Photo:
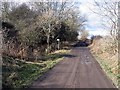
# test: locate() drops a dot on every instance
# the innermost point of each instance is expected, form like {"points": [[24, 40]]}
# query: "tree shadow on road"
{"points": [[55, 56]]}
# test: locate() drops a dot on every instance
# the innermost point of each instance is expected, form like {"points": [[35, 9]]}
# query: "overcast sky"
{"points": [[94, 24]]}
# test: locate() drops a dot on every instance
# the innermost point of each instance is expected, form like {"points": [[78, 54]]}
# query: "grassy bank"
{"points": [[108, 70], [20, 73], [105, 50]]}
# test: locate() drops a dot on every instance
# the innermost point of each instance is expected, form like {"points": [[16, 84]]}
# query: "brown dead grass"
{"points": [[107, 50]]}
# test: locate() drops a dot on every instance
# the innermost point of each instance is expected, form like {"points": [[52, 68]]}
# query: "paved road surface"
{"points": [[80, 70]]}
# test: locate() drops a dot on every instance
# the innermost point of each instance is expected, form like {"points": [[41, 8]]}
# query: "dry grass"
{"points": [[106, 51]]}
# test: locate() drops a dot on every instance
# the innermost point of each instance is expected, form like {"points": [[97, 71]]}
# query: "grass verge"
{"points": [[108, 70], [20, 74]]}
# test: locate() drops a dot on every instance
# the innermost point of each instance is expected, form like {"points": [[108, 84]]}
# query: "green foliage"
{"points": [[21, 12], [21, 74], [29, 37], [9, 32], [41, 26], [18, 73], [38, 27]]}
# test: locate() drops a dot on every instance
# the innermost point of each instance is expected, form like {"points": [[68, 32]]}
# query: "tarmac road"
{"points": [[81, 70]]}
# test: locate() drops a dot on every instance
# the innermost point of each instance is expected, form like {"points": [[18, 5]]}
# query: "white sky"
{"points": [[94, 21]]}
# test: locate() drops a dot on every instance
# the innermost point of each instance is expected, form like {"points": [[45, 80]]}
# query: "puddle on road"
{"points": [[86, 62]]}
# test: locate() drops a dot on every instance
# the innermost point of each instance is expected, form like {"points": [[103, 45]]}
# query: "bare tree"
{"points": [[84, 34], [109, 13], [59, 11]]}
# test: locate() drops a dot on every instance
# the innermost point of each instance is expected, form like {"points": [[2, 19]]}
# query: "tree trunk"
{"points": [[48, 40]]}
